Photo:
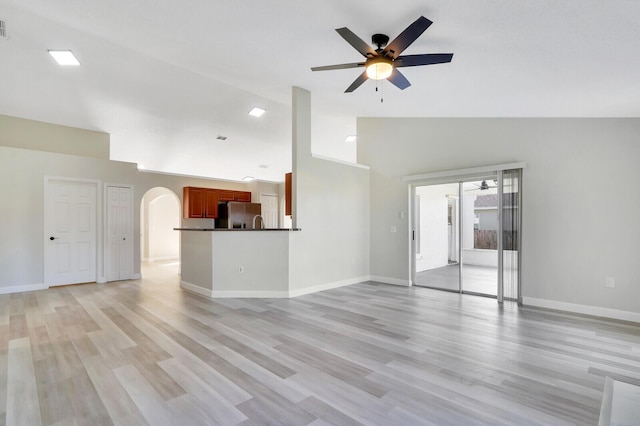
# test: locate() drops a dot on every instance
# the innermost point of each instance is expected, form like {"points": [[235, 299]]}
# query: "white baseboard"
{"points": [[21, 288], [195, 288], [101, 280], [250, 294], [268, 294], [327, 286], [136, 276], [582, 309], [387, 280]]}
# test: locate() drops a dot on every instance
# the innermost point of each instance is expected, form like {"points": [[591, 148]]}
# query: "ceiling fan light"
{"points": [[379, 68]]}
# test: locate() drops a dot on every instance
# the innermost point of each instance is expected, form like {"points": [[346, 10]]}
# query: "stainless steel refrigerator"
{"points": [[236, 215]]}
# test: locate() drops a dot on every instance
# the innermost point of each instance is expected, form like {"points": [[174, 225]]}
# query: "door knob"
{"points": [[52, 238]]}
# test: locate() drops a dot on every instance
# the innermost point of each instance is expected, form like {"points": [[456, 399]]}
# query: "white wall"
{"points": [[331, 205], [197, 265], [263, 257], [580, 203], [259, 187], [22, 209], [39, 136], [480, 257], [164, 215], [333, 209], [160, 212]]}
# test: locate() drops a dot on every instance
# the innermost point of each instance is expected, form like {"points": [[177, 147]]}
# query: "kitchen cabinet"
{"points": [[210, 204], [229, 195], [243, 196], [224, 195], [287, 194], [203, 202], [192, 202], [199, 202]]}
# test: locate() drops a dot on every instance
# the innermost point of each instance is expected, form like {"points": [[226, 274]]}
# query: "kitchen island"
{"points": [[221, 262]]}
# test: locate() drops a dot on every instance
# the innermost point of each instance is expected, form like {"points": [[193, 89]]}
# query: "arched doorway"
{"points": [[159, 214]]}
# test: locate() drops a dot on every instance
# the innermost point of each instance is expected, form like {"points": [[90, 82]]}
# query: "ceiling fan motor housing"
{"points": [[380, 40]]}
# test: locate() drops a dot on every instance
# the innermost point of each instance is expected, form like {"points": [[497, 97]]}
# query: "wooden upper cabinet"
{"points": [[203, 202], [199, 202], [243, 196], [192, 202], [211, 204], [287, 193], [229, 195], [225, 195]]}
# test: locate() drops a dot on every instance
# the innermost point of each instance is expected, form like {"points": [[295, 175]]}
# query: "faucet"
{"points": [[261, 221]]}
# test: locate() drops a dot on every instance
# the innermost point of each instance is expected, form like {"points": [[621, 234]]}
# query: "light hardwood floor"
{"points": [[146, 352]]}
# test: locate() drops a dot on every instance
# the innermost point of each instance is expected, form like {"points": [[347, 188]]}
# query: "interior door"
{"points": [[70, 232], [119, 265], [269, 210]]}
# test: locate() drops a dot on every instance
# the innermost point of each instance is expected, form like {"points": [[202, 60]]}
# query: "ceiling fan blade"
{"points": [[399, 80], [408, 36], [338, 67], [357, 43], [357, 83], [426, 59]]}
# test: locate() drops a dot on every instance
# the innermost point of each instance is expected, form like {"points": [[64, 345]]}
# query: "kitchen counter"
{"points": [[236, 229], [236, 263]]}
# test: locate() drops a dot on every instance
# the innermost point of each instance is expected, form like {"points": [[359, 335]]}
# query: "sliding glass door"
{"points": [[436, 234], [466, 235], [479, 231]]}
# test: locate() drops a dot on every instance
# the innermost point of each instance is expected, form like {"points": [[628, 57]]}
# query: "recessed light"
{"points": [[257, 112], [264, 166], [351, 138], [64, 57], [221, 138], [248, 178]]}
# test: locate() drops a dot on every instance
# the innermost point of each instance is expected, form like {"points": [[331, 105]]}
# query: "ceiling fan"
{"points": [[383, 62], [483, 186]]}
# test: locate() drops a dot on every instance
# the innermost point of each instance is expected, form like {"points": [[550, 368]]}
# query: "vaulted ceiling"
{"points": [[166, 77]]}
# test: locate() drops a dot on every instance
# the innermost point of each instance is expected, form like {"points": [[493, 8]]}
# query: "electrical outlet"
{"points": [[241, 269], [610, 282], [393, 229]]}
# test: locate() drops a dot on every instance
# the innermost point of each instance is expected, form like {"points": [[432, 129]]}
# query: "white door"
{"points": [[119, 259], [269, 210], [70, 232]]}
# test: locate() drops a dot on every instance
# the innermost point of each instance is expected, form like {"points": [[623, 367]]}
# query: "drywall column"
{"points": [[301, 144], [331, 207]]}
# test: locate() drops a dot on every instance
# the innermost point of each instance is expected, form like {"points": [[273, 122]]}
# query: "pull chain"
{"points": [[381, 90]]}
